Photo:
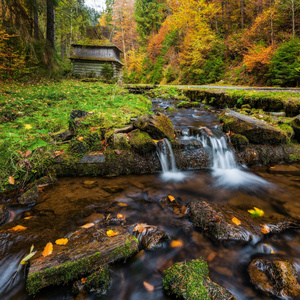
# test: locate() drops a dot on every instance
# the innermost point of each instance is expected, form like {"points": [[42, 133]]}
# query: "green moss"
{"points": [[187, 279], [126, 250], [141, 142], [98, 282], [239, 141]]}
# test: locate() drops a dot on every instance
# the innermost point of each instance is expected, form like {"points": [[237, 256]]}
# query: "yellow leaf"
{"points": [[11, 180], [17, 228], [28, 218], [122, 204], [88, 225], [272, 251], [176, 244], [171, 198], [265, 229], [28, 126], [61, 241], [236, 221], [149, 287], [111, 233], [155, 141], [48, 249], [256, 212]]}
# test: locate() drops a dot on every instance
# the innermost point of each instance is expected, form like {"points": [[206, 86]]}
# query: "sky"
{"points": [[97, 4]]}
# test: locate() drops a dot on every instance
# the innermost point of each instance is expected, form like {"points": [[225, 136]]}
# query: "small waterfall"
{"points": [[167, 161]]}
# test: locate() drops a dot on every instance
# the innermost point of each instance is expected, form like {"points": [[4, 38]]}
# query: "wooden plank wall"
{"points": [[87, 68]]}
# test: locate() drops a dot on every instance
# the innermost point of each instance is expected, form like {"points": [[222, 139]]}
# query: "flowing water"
{"points": [[68, 204]]}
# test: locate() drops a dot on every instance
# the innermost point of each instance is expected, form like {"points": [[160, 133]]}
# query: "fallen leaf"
{"points": [[236, 221], [140, 227], [27, 153], [122, 204], [155, 141], [171, 198], [117, 152], [28, 126], [17, 228], [211, 256], [120, 216], [11, 180], [176, 244], [256, 212], [28, 218], [27, 257], [61, 241], [111, 233], [149, 287], [83, 280], [48, 249], [88, 225], [272, 251], [80, 138], [265, 229]]}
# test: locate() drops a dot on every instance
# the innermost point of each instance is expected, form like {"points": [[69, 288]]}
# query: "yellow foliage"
{"points": [[111, 233], [61, 241], [17, 228], [48, 249]]}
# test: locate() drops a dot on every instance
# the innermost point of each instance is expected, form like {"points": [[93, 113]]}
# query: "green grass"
{"points": [[30, 115]]}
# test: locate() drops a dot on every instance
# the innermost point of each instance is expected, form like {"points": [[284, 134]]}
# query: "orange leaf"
{"points": [[61, 241], [80, 138], [149, 287], [27, 153], [88, 225], [236, 221], [111, 233], [11, 180], [83, 280], [17, 228], [120, 216], [48, 249], [265, 229], [171, 198], [28, 218], [140, 227], [176, 244], [211, 256], [122, 204]]}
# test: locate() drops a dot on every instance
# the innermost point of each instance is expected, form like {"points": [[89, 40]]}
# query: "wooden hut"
{"points": [[90, 56]]}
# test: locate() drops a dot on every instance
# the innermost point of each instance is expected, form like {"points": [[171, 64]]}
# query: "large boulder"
{"points": [[296, 127], [275, 276], [141, 142], [158, 126], [256, 131], [190, 280], [224, 223]]}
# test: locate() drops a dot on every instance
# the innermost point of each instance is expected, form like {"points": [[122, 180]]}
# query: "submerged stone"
{"points": [[256, 131], [275, 276], [190, 280], [217, 222], [30, 196], [285, 169], [158, 126], [89, 184]]}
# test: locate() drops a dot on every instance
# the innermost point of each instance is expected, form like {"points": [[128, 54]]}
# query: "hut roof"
{"points": [[96, 43]]}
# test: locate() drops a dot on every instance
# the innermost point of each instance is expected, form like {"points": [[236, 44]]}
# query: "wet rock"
{"points": [[158, 126], [239, 141], [216, 221], [275, 276], [113, 189], [141, 142], [190, 280], [257, 131], [97, 283], [149, 236], [86, 252], [188, 144], [93, 158], [44, 181], [119, 141], [4, 213], [76, 118], [285, 169], [64, 136], [30, 196], [89, 184], [296, 127]]}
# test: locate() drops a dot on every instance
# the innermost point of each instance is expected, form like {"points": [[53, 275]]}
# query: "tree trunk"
{"points": [[36, 20], [242, 3], [293, 16], [51, 23]]}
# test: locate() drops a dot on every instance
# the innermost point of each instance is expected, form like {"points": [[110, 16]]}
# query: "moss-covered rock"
{"points": [[190, 280], [257, 131], [141, 142], [99, 282], [275, 276], [158, 126], [188, 104], [119, 141], [296, 127], [239, 141], [30, 196]]}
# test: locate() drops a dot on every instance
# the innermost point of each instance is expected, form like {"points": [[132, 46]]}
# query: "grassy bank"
{"points": [[31, 118]]}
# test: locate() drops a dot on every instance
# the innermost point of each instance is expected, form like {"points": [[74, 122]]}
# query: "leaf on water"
{"points": [[171, 198], [88, 225], [11, 180], [80, 138], [17, 228], [149, 287], [111, 233], [28, 126], [176, 244], [48, 249], [120, 216], [61, 241], [265, 229], [256, 212], [140, 227], [236, 221], [122, 204], [28, 218]]}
